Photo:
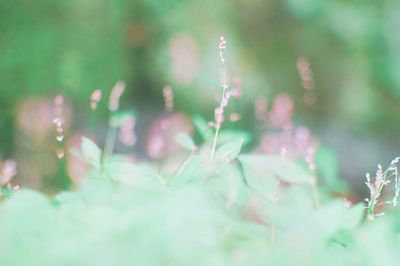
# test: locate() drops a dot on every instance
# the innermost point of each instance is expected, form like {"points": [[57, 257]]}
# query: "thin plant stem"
{"points": [[221, 107], [275, 200], [314, 189], [273, 228], [64, 178], [65, 182], [92, 122], [110, 142], [113, 106], [370, 211], [218, 123], [183, 163], [310, 159], [224, 85]]}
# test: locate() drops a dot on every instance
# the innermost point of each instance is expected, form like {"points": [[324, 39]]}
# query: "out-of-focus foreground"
{"points": [[335, 61]]}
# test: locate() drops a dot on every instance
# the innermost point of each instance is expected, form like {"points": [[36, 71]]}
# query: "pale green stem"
{"points": [[314, 188], [273, 228], [183, 163], [219, 122], [110, 142]]}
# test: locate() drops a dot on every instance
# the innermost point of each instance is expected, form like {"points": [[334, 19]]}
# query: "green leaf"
{"points": [[91, 152], [185, 141], [195, 170], [267, 166], [202, 127], [227, 135], [228, 185], [139, 175], [334, 216], [230, 150], [257, 180]]}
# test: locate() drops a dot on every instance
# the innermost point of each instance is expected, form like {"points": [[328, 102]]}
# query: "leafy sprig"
{"points": [[383, 178]]}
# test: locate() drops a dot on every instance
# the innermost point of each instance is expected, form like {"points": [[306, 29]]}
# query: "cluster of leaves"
{"points": [[233, 210]]}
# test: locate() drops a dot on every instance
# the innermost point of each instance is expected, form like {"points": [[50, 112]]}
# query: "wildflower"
{"points": [[310, 159], [8, 171], [347, 203], [281, 113], [219, 111], [162, 131], [59, 123], [234, 117], [60, 153], [306, 75], [222, 47], [115, 95], [227, 93], [376, 187], [224, 98], [168, 98], [95, 98], [126, 134]]}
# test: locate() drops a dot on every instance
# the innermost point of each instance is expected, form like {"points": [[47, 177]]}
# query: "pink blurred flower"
{"points": [[95, 98], [127, 134], [115, 95], [168, 98], [281, 113], [8, 171], [160, 142], [35, 116]]}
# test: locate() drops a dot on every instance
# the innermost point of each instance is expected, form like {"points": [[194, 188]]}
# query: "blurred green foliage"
{"points": [[211, 213], [74, 47], [126, 213]]}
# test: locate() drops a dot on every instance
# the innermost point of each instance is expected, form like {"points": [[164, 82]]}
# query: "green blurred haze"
{"points": [[73, 47]]}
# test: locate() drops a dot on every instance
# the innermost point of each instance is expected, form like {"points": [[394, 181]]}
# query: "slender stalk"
{"points": [[275, 200], [65, 182], [370, 211], [60, 150], [224, 85], [273, 228], [64, 178], [110, 142], [113, 106], [219, 123], [92, 128], [183, 163], [310, 159], [95, 98], [314, 189]]}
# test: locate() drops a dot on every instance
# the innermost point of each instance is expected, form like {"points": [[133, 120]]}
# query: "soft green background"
{"points": [[73, 47]]}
